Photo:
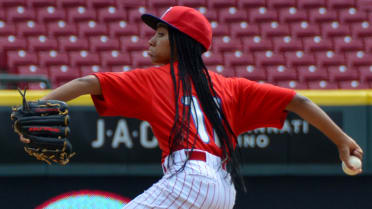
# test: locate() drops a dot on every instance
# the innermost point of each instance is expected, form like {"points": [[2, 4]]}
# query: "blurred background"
{"points": [[321, 48]]}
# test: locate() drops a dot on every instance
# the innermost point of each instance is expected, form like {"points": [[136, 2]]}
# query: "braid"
{"points": [[191, 68]]}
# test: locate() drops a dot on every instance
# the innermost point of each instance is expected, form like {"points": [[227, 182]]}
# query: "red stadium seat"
{"points": [[73, 43], [317, 43], [122, 28], [322, 14], [47, 58], [129, 4], [292, 14], [210, 14], [192, 3], [232, 14], [80, 13], [32, 70], [21, 57], [37, 43], [287, 43], [219, 29], [281, 3], [257, 43], [262, 14], [160, 4], [340, 73], [10, 3], [298, 58], [307, 4], [120, 68], [78, 58], [359, 58], [368, 44], [7, 28], [61, 28], [30, 28], [19, 13], [292, 84], [336, 4], [133, 43], [100, 3], [269, 58], [103, 43], [226, 43], [354, 84], [304, 29], [280, 73], [114, 57], [212, 58], [40, 3], [221, 3], [251, 72], [70, 3], [145, 31], [244, 4], [352, 15], [50, 13], [140, 59], [365, 73], [89, 70], [220, 69], [327, 58], [363, 29], [12, 43], [111, 14], [270, 29], [62, 74], [347, 43], [322, 84], [92, 28], [232, 59], [332, 29], [134, 14], [242, 29], [312, 72]]}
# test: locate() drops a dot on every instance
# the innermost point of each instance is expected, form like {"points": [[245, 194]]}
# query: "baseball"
{"points": [[355, 162]]}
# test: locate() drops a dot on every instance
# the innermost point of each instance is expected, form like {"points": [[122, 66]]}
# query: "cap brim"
{"points": [[153, 21]]}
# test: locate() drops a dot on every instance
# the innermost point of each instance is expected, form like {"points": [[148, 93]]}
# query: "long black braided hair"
{"points": [[192, 71]]}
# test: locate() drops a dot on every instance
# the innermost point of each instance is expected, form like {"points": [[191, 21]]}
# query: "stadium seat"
{"points": [[257, 43], [352, 15], [287, 43], [47, 58], [129, 4], [280, 73], [192, 3], [79, 14], [328, 58], [160, 4], [226, 43], [266, 58], [317, 43], [133, 43], [19, 13], [61, 28], [140, 59], [212, 58], [322, 84], [232, 59], [363, 29], [134, 14], [248, 4], [321, 15], [221, 3], [73, 43], [368, 44], [359, 58], [312, 72], [145, 32], [78, 58], [91, 28], [219, 29], [292, 14], [62, 74], [250, 72], [220, 69], [292, 84], [365, 73], [40, 3], [277, 4], [112, 58], [30, 28], [262, 14], [304, 29], [120, 68], [37, 43], [232, 14], [111, 14], [50, 13], [89, 70], [307, 4], [100, 3], [272, 29], [122, 28], [210, 14], [243, 29], [103, 43], [353, 84], [32, 70], [70, 3], [297, 58], [6, 28], [12, 43], [11, 3], [340, 73], [332, 29], [336, 4], [348, 43], [20, 57]]}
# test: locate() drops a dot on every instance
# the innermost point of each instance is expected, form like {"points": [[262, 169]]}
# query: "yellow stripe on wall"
{"points": [[320, 97]]}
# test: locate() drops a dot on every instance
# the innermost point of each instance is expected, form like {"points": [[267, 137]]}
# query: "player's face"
{"points": [[159, 49]]}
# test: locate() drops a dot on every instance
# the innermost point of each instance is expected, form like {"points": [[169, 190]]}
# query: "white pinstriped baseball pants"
{"points": [[203, 185]]}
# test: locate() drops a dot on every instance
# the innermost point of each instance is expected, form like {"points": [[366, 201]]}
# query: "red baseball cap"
{"points": [[185, 19]]}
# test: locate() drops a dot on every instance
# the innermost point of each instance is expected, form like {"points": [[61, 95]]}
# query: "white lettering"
{"points": [[249, 141], [305, 127], [262, 141], [286, 128], [122, 135], [296, 125], [100, 134], [149, 144]]}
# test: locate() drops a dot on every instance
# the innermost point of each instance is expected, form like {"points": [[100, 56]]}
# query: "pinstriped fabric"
{"points": [[201, 185]]}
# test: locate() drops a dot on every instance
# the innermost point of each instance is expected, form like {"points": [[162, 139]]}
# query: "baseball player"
{"points": [[194, 113]]}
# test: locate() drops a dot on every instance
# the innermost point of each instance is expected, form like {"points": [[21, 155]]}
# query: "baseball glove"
{"points": [[45, 124]]}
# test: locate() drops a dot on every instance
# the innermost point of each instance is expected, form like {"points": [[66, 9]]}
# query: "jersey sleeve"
{"points": [[124, 94], [260, 105]]}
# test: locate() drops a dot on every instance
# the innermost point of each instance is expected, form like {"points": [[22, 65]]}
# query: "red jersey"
{"points": [[148, 94]]}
